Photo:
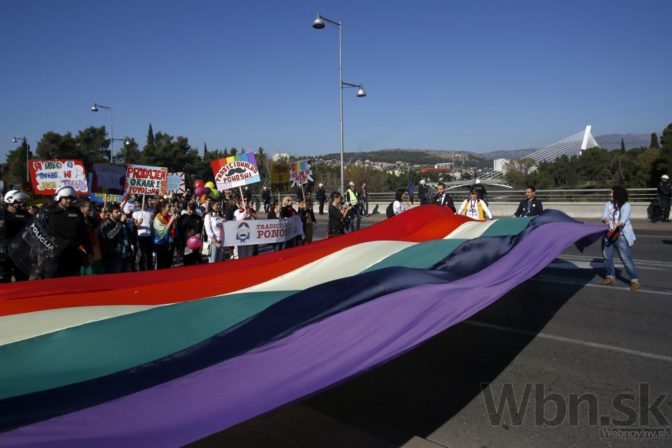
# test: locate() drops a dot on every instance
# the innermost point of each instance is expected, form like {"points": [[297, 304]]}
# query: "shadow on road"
{"points": [[415, 393]]}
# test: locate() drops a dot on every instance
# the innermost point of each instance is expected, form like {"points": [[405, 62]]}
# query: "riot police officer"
{"points": [[13, 218]]}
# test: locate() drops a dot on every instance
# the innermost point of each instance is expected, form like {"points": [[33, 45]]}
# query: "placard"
{"points": [[279, 173], [300, 173], [48, 176], [108, 178], [149, 180], [262, 231], [235, 171], [176, 183]]}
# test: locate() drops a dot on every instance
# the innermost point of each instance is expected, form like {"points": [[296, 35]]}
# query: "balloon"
{"points": [[198, 191], [198, 183], [206, 190], [214, 194], [210, 184], [194, 242]]}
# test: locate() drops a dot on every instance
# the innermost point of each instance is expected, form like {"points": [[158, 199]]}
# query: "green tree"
{"points": [[92, 146], [53, 145], [654, 141], [622, 145], [14, 170], [130, 152], [150, 137]]}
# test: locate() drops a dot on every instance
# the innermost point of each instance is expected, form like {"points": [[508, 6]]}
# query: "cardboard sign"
{"points": [[149, 180], [176, 183], [262, 231], [49, 175], [100, 198], [235, 171], [279, 173], [300, 173], [108, 178]]}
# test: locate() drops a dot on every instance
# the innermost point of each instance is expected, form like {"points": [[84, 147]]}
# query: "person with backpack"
{"points": [[397, 206]]}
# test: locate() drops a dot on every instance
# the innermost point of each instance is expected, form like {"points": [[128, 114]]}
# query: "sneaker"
{"points": [[608, 281], [634, 286]]}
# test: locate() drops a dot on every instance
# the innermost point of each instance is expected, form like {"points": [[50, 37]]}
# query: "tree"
{"points": [[622, 145], [654, 141], [14, 171], [150, 137], [92, 146], [53, 145], [130, 152]]}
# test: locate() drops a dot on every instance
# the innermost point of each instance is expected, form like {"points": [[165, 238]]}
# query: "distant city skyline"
{"points": [[477, 76]]}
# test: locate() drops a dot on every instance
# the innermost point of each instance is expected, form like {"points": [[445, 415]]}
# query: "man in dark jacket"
{"points": [[189, 224], [442, 197], [530, 206], [116, 237], [321, 197]]}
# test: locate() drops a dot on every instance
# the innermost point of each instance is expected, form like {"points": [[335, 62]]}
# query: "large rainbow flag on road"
{"points": [[165, 358]]}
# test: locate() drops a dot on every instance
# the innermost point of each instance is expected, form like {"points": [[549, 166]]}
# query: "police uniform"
{"points": [[12, 224], [68, 226]]}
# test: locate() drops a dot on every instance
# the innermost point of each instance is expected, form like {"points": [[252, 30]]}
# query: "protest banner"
{"points": [[49, 175], [235, 171], [110, 198], [300, 173], [279, 173], [176, 183], [108, 178], [150, 180], [262, 231]]}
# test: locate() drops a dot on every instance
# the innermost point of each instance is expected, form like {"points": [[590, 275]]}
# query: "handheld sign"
{"points": [[151, 180], [49, 175], [235, 171], [300, 173], [279, 173], [108, 178], [176, 183]]}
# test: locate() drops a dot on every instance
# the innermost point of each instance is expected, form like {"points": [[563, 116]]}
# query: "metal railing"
{"points": [[575, 195]]}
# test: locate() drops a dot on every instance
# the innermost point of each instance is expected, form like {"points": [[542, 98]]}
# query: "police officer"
{"points": [[67, 224], [13, 219], [321, 197]]}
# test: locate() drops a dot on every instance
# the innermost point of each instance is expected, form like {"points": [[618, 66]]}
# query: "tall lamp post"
{"points": [[24, 144], [126, 141], [319, 23], [95, 108]]}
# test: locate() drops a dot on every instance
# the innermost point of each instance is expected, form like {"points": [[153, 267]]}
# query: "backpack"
{"points": [[389, 211]]}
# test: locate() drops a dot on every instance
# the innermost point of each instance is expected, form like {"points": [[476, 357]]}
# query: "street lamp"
{"points": [[27, 148], [127, 141], [319, 23], [94, 108]]}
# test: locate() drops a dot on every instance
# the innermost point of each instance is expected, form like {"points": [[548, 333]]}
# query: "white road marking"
{"points": [[553, 337]]}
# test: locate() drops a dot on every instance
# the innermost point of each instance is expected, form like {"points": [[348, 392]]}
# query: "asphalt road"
{"points": [[581, 364]]}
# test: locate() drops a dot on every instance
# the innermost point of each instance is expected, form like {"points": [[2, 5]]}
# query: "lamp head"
{"points": [[318, 23], [360, 92], [14, 140], [94, 108]]}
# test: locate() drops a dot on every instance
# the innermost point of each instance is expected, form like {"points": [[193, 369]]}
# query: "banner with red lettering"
{"points": [[235, 171], [149, 180], [49, 175]]}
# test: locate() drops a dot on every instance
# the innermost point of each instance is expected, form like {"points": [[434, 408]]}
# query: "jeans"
{"points": [[624, 251], [216, 254], [355, 218]]}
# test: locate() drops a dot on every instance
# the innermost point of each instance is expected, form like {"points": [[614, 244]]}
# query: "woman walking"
{"points": [[620, 236]]}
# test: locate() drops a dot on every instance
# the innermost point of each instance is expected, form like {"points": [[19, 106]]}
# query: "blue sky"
{"points": [[472, 75]]}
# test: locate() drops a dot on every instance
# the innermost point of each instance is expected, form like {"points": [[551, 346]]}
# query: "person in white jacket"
{"points": [[214, 229], [475, 208]]}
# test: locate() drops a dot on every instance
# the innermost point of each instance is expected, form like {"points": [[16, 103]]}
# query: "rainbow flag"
{"points": [[166, 358]]}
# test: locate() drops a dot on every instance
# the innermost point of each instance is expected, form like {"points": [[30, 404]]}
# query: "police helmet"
{"points": [[14, 196], [65, 192]]}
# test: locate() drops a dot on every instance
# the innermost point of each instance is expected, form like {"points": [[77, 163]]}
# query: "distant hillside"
{"points": [[513, 154], [412, 156]]}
